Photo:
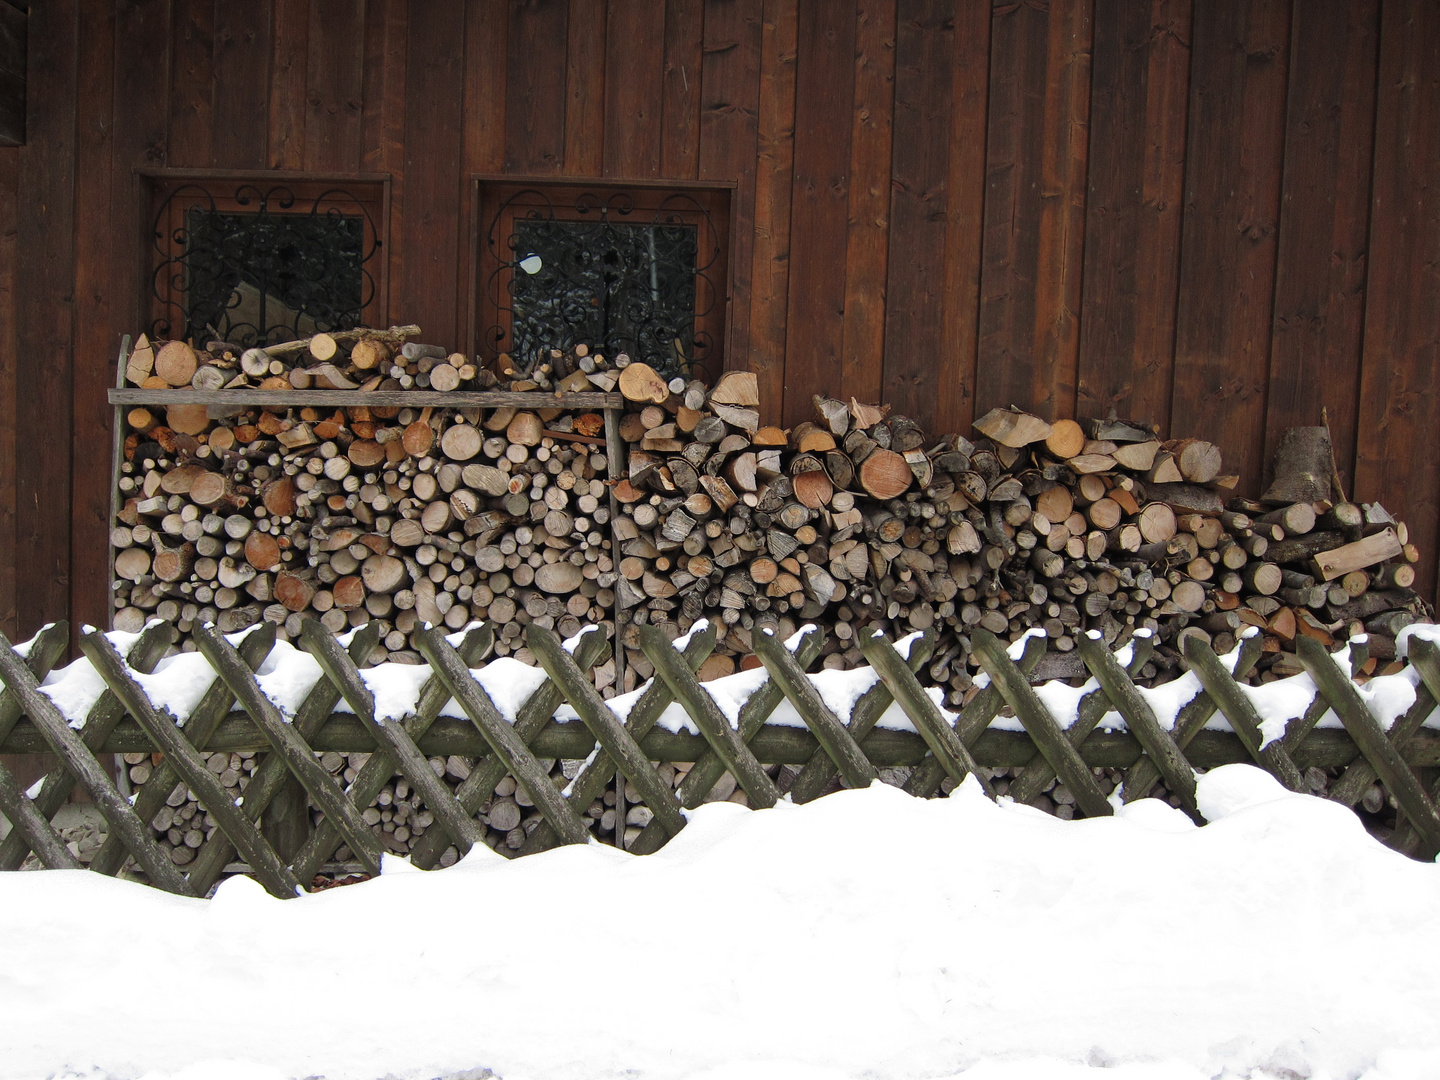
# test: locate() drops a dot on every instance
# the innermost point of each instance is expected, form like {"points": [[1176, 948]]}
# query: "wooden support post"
{"points": [[504, 741], [939, 736], [376, 771], [117, 812], [288, 745], [725, 741], [1040, 725], [1371, 738], [616, 740], [1240, 711], [390, 738], [268, 866], [829, 732]]}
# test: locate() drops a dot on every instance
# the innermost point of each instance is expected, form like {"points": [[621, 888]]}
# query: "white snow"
{"points": [[866, 935]]}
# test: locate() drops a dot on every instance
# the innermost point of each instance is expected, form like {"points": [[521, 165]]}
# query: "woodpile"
{"points": [[860, 518]]}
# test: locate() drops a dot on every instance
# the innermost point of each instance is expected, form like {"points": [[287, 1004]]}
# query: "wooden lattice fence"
{"points": [[235, 714]]}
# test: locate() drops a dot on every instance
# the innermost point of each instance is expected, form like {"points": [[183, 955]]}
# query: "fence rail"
{"points": [[235, 714]]}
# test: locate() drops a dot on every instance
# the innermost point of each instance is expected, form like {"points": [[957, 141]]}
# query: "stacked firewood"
{"points": [[406, 515], [860, 518]]}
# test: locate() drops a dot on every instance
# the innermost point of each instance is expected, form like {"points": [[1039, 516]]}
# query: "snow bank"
{"points": [[868, 934]]}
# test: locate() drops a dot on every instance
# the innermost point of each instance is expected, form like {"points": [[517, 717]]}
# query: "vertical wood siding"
{"points": [[1219, 216]]}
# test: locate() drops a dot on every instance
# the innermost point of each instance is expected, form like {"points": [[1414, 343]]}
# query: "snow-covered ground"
{"points": [[866, 935]]}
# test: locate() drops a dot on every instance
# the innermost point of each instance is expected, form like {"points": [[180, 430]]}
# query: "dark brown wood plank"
{"points": [[291, 46], [13, 32], [965, 197], [1139, 96], [867, 235], [1238, 71], [1398, 408], [1035, 207], [386, 38], [97, 315], [535, 91], [634, 102], [1324, 224], [729, 129], [770, 273], [334, 86], [44, 303], [680, 128], [9, 226], [242, 54], [486, 56], [434, 98], [819, 204], [585, 62], [192, 83], [914, 295]]}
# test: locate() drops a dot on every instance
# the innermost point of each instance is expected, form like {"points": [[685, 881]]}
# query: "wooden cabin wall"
{"points": [[1220, 216]]}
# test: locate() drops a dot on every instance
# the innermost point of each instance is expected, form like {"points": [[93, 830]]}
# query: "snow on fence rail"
{"points": [[248, 693]]}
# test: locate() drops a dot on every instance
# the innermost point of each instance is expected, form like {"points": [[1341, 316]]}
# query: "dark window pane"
{"points": [[618, 287]]}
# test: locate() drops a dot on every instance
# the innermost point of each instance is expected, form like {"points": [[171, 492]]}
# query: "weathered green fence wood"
{"points": [[975, 716], [708, 766], [288, 745], [616, 740], [377, 770], [117, 812], [214, 705], [503, 739], [834, 739], [1241, 712], [40, 836], [390, 739], [268, 866], [1297, 731], [1040, 725], [1141, 720], [713, 725], [270, 777], [590, 784], [45, 651], [1360, 774], [106, 713], [1092, 709], [530, 721], [1189, 723], [1371, 738], [820, 770], [939, 736]]}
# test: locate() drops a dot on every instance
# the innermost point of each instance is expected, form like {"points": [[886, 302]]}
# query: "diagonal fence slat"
{"points": [[102, 719], [723, 739], [288, 744], [118, 812], [1140, 718], [267, 865], [530, 720], [378, 769], [940, 737], [214, 705], [40, 836], [1241, 712], [464, 831], [616, 741], [1088, 714], [1371, 738], [1069, 766], [593, 777], [504, 741], [834, 739]]}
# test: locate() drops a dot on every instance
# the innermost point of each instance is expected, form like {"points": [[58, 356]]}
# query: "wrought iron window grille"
{"points": [[256, 265], [638, 271]]}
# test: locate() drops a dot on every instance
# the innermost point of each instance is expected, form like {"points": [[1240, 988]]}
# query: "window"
{"points": [[263, 261], [639, 270]]}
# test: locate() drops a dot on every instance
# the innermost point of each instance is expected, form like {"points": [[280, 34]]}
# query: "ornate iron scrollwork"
{"points": [[259, 266], [606, 273]]}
